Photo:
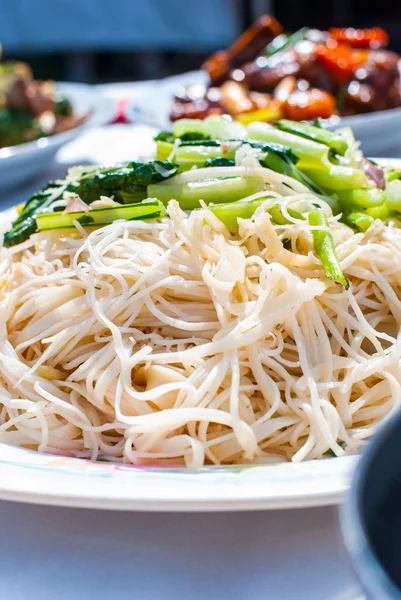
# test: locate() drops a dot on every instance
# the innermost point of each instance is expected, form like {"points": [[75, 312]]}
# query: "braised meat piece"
{"points": [[300, 61], [33, 97], [300, 76], [31, 109], [246, 48], [265, 73], [376, 84]]}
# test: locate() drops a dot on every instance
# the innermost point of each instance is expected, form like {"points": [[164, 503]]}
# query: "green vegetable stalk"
{"points": [[216, 191], [358, 220], [125, 183], [98, 217], [325, 248], [188, 155], [314, 157], [362, 198], [333, 140], [229, 213], [309, 152]]}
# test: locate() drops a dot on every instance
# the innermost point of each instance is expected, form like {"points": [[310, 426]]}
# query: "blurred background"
{"points": [[101, 41]]}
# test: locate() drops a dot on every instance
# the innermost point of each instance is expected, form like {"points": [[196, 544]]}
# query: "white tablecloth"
{"points": [[72, 554]]}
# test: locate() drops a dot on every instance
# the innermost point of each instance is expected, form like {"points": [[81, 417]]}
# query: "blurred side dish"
{"points": [[267, 74], [31, 109]]}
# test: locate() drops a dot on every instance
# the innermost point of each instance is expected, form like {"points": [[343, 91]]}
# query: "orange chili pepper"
{"points": [[340, 60], [361, 38], [309, 104]]}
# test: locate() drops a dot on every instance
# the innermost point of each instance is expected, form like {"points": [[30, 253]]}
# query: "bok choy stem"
{"points": [[98, 217], [325, 248]]}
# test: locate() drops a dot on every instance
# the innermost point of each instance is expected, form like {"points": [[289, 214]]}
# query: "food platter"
{"points": [[376, 131], [30, 476], [19, 163]]}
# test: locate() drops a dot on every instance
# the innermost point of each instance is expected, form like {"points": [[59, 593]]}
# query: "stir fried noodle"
{"points": [[178, 343]]}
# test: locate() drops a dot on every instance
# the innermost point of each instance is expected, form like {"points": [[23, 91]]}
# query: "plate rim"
{"points": [[104, 110], [135, 114], [81, 483]]}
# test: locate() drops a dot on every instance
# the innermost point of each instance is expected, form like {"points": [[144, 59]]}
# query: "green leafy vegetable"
{"points": [[63, 107], [20, 232], [318, 122], [164, 136], [201, 142], [168, 136], [84, 220], [330, 454], [17, 127], [127, 183], [219, 162], [133, 177]]}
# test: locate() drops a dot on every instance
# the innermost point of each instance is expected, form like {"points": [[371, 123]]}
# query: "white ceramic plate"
{"points": [[29, 476], [378, 132], [19, 163]]}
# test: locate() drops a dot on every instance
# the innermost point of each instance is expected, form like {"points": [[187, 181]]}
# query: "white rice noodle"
{"points": [[175, 343]]}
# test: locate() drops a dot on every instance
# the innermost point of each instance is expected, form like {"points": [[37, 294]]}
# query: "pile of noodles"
{"points": [[178, 343]]}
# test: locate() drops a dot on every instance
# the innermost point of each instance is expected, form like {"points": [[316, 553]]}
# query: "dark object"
{"points": [[371, 518], [376, 86]]}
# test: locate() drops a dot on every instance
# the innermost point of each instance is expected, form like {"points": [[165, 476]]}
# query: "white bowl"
{"points": [[378, 132], [19, 163]]}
